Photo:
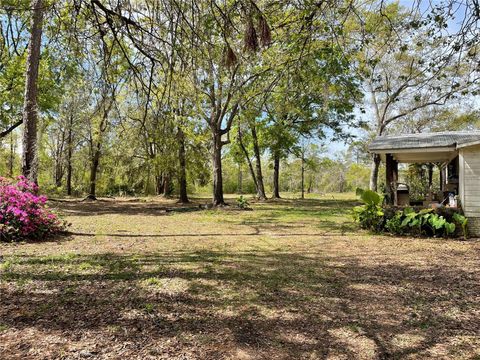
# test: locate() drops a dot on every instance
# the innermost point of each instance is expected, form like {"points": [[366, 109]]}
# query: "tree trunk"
{"points": [[167, 186], [247, 157], [93, 173], [158, 182], [69, 157], [374, 172], [218, 199], [58, 173], [303, 176], [97, 151], [276, 175], [11, 159], [240, 180], [30, 153], [258, 165], [182, 173]]}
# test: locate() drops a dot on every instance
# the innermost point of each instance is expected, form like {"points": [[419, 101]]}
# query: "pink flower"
{"points": [[24, 213]]}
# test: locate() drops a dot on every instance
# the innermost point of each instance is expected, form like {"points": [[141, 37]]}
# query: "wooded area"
{"points": [[174, 97]]}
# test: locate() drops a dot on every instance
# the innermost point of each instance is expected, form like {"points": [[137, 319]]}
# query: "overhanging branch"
{"points": [[11, 128]]}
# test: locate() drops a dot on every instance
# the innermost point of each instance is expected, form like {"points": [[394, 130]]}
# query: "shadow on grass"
{"points": [[328, 216], [123, 208], [275, 303], [135, 207]]}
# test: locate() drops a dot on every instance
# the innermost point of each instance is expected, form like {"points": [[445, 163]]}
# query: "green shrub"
{"points": [[242, 203], [425, 222], [462, 221], [370, 215], [394, 224]]}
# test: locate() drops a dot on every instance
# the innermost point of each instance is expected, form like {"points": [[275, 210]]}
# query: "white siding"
{"points": [[470, 180]]}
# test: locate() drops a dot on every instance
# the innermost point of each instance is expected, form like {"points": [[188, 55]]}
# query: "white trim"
{"points": [[461, 179], [472, 143]]}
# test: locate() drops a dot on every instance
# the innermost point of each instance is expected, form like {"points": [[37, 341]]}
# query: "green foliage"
{"points": [[394, 225], [370, 215], [369, 197], [407, 221], [463, 222], [242, 203], [425, 222]]}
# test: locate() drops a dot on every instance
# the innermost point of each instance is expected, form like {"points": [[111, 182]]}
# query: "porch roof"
{"points": [[425, 147]]}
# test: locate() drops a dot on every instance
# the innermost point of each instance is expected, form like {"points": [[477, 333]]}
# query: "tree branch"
{"points": [[10, 129]]}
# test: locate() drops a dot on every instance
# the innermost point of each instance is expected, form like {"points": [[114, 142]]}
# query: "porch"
{"points": [[455, 154]]}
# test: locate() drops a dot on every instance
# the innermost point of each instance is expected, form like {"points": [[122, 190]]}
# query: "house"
{"points": [[457, 153]]}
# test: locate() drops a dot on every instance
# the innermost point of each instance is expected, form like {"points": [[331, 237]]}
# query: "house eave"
{"points": [[472, 143], [415, 150]]}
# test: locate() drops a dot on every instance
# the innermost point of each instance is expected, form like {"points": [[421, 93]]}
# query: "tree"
{"points": [[314, 97], [30, 110], [408, 67], [221, 74], [248, 127]]}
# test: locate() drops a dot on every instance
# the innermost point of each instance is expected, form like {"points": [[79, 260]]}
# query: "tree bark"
{"points": [[182, 173], [258, 165], [30, 151], [303, 176], [158, 183], [97, 150], [11, 158], [374, 172], [247, 157], [167, 188], [58, 174], [93, 172], [218, 199], [276, 175], [60, 159], [69, 156], [240, 180]]}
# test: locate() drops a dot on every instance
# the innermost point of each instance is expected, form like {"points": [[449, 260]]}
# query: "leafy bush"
{"points": [[242, 203], [462, 221], [370, 215], [424, 222], [24, 213], [394, 225]]}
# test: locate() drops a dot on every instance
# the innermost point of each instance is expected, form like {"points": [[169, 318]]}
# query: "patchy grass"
{"points": [[147, 278]]}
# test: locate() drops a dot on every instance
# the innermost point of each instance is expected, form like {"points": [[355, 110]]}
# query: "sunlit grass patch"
{"points": [[168, 285]]}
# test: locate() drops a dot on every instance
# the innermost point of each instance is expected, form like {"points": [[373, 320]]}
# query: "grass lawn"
{"points": [[146, 279]]}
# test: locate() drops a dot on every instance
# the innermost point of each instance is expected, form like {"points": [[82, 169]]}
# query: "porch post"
{"points": [[430, 176], [441, 176], [391, 167]]}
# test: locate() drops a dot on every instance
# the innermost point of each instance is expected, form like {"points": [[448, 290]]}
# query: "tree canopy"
{"points": [[169, 97]]}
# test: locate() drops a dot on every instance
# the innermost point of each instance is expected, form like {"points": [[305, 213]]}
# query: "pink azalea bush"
{"points": [[24, 213]]}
